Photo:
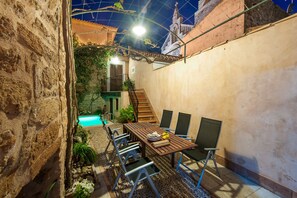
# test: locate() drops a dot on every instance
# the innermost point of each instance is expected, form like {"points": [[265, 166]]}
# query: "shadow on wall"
{"points": [[46, 183], [237, 163]]}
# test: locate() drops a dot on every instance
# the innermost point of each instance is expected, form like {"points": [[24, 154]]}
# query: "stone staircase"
{"points": [[145, 110]]}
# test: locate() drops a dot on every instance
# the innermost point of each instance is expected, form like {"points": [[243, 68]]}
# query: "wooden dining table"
{"points": [[138, 131]]}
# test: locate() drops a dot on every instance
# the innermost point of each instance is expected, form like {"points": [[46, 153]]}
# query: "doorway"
{"points": [[116, 77]]}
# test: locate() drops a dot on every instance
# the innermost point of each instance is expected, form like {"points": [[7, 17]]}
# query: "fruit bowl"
{"points": [[154, 137]]}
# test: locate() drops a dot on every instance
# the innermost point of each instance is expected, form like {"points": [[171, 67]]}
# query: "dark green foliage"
{"points": [[83, 153], [126, 114], [128, 83], [90, 67], [79, 192], [82, 133]]}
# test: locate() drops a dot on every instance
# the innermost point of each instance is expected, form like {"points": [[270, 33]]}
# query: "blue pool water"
{"points": [[90, 120]]}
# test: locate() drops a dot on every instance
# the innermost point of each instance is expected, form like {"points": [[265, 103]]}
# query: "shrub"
{"points": [[83, 153], [126, 114], [82, 133]]}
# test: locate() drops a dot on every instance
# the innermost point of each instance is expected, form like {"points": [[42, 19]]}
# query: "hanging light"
{"points": [[139, 30]]}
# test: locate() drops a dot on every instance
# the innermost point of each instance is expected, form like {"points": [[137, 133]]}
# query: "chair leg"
{"points": [[203, 170], [105, 151], [152, 184], [135, 184], [179, 161], [116, 181], [215, 163]]}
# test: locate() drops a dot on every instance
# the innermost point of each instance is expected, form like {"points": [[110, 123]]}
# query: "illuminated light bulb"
{"points": [[115, 60], [139, 30]]}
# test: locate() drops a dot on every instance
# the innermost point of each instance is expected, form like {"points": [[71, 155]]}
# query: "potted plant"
{"points": [[83, 189], [126, 114], [128, 83]]}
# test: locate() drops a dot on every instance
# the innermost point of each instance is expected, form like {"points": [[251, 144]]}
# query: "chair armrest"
{"points": [[211, 149], [128, 150], [129, 147], [115, 129], [182, 136], [123, 134], [139, 168], [122, 137], [186, 137], [166, 129]]}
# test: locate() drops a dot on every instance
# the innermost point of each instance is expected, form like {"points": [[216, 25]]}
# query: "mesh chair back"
{"points": [[166, 118], [183, 123], [208, 134], [117, 149]]}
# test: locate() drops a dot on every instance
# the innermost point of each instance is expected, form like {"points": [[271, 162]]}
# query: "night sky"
{"points": [[160, 11]]}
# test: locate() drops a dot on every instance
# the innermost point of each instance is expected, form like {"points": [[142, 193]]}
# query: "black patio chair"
{"points": [[166, 119], [182, 125], [135, 171], [207, 139]]}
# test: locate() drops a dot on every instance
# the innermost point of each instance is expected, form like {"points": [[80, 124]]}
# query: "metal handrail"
{"points": [[133, 99]]}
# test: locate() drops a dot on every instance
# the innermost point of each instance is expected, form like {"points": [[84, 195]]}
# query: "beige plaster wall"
{"points": [[250, 84]]}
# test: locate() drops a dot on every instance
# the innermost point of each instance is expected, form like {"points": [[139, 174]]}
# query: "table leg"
{"points": [[142, 149], [172, 160]]}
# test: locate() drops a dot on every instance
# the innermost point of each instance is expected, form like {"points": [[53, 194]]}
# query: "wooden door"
{"points": [[116, 77]]}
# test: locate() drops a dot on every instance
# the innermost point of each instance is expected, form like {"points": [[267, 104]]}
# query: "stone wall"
{"points": [[250, 84], [33, 102], [266, 13]]}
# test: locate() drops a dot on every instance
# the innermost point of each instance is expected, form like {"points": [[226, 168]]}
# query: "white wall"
{"points": [[251, 85]]}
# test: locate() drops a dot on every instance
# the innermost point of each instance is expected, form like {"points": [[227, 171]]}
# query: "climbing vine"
{"points": [[90, 67]]}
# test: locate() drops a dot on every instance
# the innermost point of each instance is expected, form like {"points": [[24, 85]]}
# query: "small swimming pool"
{"points": [[90, 120]]}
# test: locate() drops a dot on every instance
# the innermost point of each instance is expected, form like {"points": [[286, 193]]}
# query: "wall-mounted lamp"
{"points": [[115, 60]]}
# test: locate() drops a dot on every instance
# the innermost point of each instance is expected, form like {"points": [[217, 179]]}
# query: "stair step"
{"points": [[146, 116], [148, 113], [145, 120], [141, 100], [144, 110], [143, 105]]}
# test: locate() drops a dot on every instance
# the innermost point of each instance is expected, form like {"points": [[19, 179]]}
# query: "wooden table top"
{"points": [[140, 130]]}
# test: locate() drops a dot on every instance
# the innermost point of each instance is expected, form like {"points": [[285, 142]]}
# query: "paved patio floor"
{"points": [[229, 185]]}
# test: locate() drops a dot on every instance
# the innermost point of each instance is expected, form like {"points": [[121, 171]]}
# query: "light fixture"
{"points": [[139, 30], [115, 60]]}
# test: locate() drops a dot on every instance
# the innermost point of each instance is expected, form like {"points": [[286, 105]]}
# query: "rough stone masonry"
{"points": [[33, 91]]}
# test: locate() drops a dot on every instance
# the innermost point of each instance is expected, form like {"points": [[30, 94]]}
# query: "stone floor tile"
{"points": [[263, 193]]}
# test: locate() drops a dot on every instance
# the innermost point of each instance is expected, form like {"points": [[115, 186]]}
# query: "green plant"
{"points": [[81, 133], [126, 114], [128, 83], [83, 189], [90, 67], [83, 153]]}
